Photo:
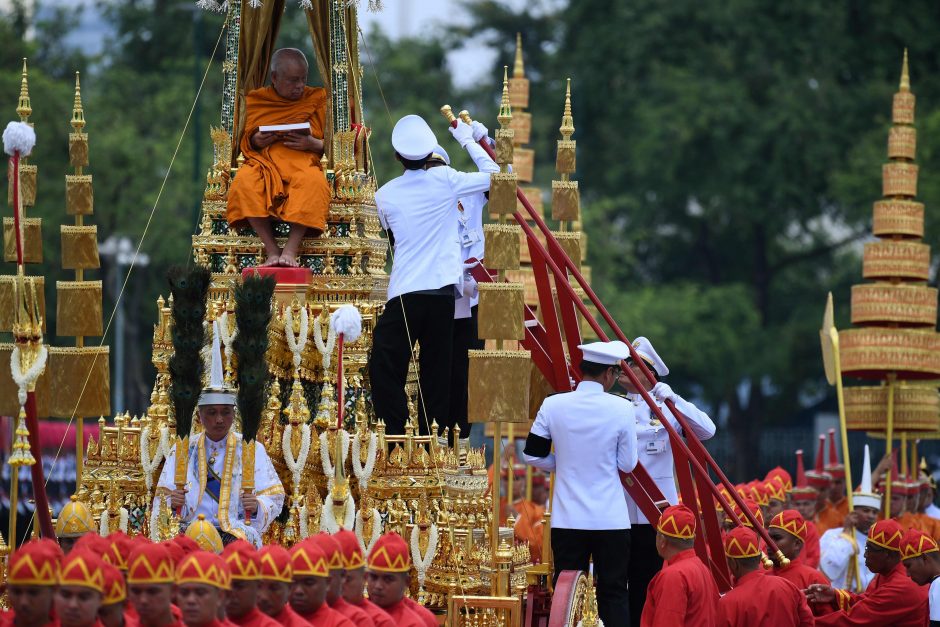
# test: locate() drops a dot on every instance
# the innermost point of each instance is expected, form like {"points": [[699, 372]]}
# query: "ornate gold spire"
{"points": [[78, 113], [24, 108], [567, 120], [518, 68], [505, 109], [905, 77]]}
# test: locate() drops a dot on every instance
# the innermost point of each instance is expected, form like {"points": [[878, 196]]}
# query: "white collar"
{"points": [[590, 386]]}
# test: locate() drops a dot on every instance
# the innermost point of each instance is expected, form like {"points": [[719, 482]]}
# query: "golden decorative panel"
{"points": [[887, 303], [534, 196], [499, 386], [902, 142], [80, 383], [523, 164], [565, 161], [570, 242], [871, 352], [898, 217], [32, 240], [80, 247], [521, 122], [9, 404], [501, 243], [896, 259], [899, 179], [78, 308], [504, 145], [8, 301], [78, 150], [501, 311], [519, 97], [916, 408], [503, 193], [566, 200], [902, 109], [79, 197], [27, 186]]}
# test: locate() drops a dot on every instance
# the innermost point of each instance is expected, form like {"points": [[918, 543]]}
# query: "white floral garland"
{"points": [[103, 525], [24, 379], [364, 472], [328, 520], [165, 441], [297, 343], [155, 520], [325, 454], [422, 563], [227, 338], [296, 465], [304, 528], [149, 463], [376, 531], [326, 350]]}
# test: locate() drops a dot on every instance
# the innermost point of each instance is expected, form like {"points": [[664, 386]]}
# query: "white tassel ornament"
{"points": [[18, 137]]}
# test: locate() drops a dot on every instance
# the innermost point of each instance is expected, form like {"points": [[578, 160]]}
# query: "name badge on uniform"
{"points": [[655, 446], [466, 238]]}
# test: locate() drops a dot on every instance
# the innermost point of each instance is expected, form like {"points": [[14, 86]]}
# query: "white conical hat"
{"points": [[866, 497], [217, 393]]}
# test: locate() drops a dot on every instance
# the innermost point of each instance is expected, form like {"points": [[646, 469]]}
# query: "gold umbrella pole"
{"points": [[889, 435], [843, 431]]}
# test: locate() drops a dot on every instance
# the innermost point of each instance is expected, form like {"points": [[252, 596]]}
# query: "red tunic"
{"points": [[7, 617], [254, 618], [891, 599], [682, 593], [325, 616], [759, 599], [801, 576], [427, 616], [289, 618], [810, 553], [402, 616], [379, 616], [357, 616]]}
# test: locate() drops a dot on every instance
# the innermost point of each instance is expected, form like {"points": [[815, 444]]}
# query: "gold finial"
{"points": [[905, 77], [465, 116], [23, 108], [78, 113], [567, 121], [518, 69], [448, 113], [505, 110]]}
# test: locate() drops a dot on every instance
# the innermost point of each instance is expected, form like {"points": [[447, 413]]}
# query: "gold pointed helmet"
{"points": [[74, 520], [205, 535]]}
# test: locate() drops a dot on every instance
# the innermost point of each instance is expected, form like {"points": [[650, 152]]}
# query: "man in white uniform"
{"points": [[594, 436], [214, 474], [655, 453], [419, 211], [840, 548]]}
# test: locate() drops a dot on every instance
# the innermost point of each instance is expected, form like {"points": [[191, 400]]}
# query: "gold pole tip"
{"points": [[905, 75]]}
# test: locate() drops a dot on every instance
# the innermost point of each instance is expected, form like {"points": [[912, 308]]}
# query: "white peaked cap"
{"points": [[644, 348], [440, 153], [605, 353], [866, 497], [412, 138], [217, 393]]}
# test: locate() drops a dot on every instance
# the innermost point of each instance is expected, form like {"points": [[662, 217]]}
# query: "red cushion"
{"points": [[290, 276]]}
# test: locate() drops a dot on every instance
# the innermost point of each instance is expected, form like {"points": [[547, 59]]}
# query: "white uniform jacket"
{"points": [[655, 450], [594, 435], [835, 554], [226, 514]]}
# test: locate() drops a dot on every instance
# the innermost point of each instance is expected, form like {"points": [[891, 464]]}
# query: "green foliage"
{"points": [[189, 288], [252, 316]]}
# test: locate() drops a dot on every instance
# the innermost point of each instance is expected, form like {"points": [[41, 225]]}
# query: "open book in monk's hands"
{"points": [[302, 128]]}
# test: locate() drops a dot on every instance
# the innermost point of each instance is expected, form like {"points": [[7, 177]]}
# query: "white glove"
{"points": [[479, 131], [462, 133], [662, 393]]}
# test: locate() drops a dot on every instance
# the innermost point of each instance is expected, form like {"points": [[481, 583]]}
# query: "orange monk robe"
{"points": [[277, 181], [529, 527], [921, 522], [833, 515]]}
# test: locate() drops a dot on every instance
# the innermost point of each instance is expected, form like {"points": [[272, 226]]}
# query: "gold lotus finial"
{"points": [[905, 76], [567, 120], [78, 113], [23, 108], [518, 68], [505, 110]]}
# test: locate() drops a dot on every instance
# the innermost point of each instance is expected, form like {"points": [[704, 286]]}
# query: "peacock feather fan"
{"points": [[252, 316], [189, 288]]}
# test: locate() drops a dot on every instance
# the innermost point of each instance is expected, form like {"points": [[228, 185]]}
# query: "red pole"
{"points": [[15, 164], [39, 481], [340, 392]]}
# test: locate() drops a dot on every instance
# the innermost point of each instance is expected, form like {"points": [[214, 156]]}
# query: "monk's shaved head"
{"points": [[283, 56]]}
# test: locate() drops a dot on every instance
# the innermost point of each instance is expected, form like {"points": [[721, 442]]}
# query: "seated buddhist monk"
{"points": [[281, 178]]}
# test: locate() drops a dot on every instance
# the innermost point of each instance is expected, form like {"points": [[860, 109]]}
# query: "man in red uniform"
{"points": [[803, 498], [788, 530], [81, 589], [921, 558], [820, 480], [275, 579], [113, 611], [891, 599], [752, 506], [387, 577], [311, 573], [758, 599], [334, 598], [150, 582], [31, 578], [202, 581], [684, 591], [241, 605], [354, 581]]}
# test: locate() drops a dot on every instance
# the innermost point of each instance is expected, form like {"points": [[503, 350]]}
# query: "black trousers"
{"points": [[465, 339], [409, 318], [644, 563], [610, 550]]}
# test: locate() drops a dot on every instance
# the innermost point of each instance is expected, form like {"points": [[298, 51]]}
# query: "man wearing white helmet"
{"points": [[419, 211], [655, 453]]}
